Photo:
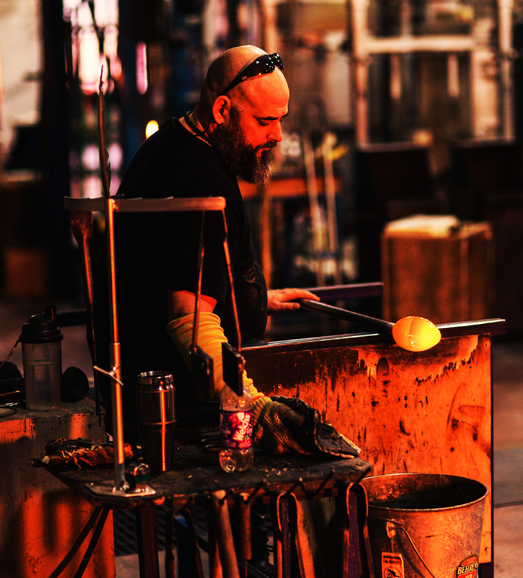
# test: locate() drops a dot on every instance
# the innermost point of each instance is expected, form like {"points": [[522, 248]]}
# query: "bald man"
{"points": [[231, 132]]}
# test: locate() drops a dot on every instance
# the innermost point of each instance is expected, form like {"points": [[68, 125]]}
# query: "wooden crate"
{"points": [[437, 267]]}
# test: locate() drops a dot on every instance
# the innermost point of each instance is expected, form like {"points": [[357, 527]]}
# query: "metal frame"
{"points": [[109, 206], [364, 45]]}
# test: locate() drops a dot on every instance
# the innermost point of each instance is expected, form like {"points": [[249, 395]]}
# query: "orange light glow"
{"points": [[151, 128]]}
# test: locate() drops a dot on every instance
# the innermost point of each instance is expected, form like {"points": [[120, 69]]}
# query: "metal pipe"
{"points": [[412, 333], [506, 56], [82, 227], [115, 359], [379, 325]]}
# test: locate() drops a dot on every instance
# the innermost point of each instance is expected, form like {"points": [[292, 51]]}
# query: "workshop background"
{"points": [[401, 160], [397, 109]]}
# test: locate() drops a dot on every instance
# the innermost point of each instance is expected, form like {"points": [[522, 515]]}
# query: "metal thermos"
{"points": [[155, 404], [42, 359]]}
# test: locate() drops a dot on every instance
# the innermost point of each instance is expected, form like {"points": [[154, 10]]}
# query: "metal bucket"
{"points": [[424, 525]]}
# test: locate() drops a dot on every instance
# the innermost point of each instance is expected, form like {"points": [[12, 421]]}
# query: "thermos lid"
{"points": [[155, 380], [40, 329]]}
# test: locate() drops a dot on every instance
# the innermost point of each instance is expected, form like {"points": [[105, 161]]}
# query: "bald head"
{"points": [[224, 69]]}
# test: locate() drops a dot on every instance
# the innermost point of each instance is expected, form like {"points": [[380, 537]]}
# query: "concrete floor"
{"points": [[508, 431]]}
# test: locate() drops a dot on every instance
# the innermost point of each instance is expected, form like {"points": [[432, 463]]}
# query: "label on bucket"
{"points": [[392, 565], [468, 568]]}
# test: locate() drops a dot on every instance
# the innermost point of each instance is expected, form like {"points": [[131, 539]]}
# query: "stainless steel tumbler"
{"points": [[155, 406]]}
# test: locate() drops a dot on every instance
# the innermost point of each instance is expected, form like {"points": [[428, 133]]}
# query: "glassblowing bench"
{"points": [[426, 411], [409, 412], [197, 478]]}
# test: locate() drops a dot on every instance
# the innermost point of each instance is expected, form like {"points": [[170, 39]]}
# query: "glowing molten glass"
{"points": [[415, 333]]}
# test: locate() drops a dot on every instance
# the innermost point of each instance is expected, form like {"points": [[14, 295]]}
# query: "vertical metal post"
{"points": [[115, 361], [360, 62], [505, 8]]}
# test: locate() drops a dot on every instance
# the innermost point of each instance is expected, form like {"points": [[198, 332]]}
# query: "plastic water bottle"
{"points": [[236, 430]]}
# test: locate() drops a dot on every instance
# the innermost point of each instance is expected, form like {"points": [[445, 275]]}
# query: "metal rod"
{"points": [[103, 154], [82, 227], [140, 205], [330, 196], [380, 325], [312, 191], [201, 254], [231, 280], [115, 359]]}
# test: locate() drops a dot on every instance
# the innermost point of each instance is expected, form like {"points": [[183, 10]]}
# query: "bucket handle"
{"points": [[392, 527]]}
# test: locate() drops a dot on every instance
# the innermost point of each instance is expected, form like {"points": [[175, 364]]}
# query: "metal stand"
{"points": [[109, 206]]}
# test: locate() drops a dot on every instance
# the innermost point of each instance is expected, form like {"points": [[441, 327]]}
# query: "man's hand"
{"points": [[284, 299]]}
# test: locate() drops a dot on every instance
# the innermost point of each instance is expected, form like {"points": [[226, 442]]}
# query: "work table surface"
{"points": [[197, 473]]}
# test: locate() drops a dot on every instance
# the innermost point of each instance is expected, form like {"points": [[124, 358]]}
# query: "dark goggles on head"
{"points": [[264, 64]]}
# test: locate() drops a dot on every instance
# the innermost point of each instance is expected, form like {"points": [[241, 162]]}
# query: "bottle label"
{"points": [[236, 429]]}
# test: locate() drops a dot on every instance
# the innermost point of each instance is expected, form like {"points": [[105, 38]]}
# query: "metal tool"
{"points": [[243, 510], [412, 333], [353, 531], [202, 367], [190, 558], [82, 228], [227, 553], [233, 363], [290, 534]]}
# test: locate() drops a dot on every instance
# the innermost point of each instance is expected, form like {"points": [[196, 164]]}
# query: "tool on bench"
{"points": [[412, 333]]}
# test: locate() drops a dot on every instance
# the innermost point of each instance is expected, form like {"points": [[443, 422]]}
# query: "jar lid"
{"points": [[40, 329]]}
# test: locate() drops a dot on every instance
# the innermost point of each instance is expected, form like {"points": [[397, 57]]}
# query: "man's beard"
{"points": [[240, 157]]}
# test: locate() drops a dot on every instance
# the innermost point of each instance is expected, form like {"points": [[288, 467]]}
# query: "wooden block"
{"points": [[442, 274]]}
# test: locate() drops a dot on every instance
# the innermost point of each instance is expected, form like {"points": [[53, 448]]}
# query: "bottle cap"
{"points": [[40, 329]]}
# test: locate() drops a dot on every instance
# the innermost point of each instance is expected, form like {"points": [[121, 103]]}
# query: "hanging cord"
{"points": [[10, 353], [92, 544], [78, 543]]}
